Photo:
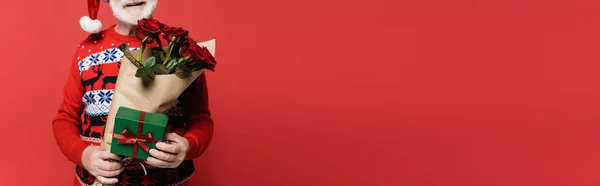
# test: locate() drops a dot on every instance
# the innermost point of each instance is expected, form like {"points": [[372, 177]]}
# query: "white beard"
{"points": [[131, 15]]}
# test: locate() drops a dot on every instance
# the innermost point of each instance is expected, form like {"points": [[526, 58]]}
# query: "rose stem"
{"points": [[142, 49], [171, 48], [177, 63]]}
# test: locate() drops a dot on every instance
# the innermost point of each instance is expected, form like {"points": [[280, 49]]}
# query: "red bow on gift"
{"points": [[127, 137]]}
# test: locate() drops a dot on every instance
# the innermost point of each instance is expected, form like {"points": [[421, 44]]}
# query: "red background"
{"points": [[316, 92]]}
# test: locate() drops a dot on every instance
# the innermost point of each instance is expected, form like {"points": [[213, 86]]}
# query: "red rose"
{"points": [[190, 50], [198, 55], [167, 28], [174, 32], [148, 28], [207, 57], [141, 35], [189, 40], [151, 26]]}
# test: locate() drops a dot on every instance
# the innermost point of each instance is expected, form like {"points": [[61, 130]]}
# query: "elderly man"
{"points": [[79, 124]]}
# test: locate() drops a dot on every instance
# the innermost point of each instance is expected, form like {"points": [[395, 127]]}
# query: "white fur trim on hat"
{"points": [[89, 25]]}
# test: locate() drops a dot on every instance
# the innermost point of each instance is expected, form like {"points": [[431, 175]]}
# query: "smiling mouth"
{"points": [[134, 4]]}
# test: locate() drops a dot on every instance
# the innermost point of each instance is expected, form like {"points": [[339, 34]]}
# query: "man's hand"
{"points": [[96, 163], [169, 155]]}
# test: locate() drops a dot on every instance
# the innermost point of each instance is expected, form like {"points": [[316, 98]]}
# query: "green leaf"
{"points": [[171, 62], [151, 74], [149, 66], [141, 72], [150, 62]]}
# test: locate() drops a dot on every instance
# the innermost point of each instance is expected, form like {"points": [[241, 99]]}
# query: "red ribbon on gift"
{"points": [[140, 140]]}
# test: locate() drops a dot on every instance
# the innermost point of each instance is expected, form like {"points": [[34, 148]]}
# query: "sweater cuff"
{"points": [[78, 149], [192, 146], [69, 141]]}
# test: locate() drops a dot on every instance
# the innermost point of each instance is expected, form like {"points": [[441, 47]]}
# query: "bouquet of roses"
{"points": [[150, 80], [182, 52]]}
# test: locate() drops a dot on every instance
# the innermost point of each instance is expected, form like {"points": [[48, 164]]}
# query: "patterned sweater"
{"points": [[86, 101]]}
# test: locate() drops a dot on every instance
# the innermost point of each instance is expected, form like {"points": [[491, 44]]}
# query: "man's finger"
{"points": [[174, 148], [109, 166], [156, 162], [162, 155], [105, 180], [173, 137], [107, 155], [109, 174]]}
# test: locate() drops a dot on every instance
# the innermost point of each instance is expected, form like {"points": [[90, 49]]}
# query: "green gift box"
{"points": [[136, 132]]}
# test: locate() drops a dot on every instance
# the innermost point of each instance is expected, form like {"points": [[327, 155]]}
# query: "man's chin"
{"points": [[129, 21], [129, 18]]}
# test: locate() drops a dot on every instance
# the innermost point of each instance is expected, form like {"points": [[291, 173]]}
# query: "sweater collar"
{"points": [[111, 32]]}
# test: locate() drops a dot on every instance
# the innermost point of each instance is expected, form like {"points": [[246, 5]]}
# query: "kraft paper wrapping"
{"points": [[158, 95]]}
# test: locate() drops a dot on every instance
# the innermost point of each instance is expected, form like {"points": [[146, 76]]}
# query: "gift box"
{"points": [[136, 132]]}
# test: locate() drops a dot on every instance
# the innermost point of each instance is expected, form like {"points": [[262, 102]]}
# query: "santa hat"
{"points": [[90, 23]]}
